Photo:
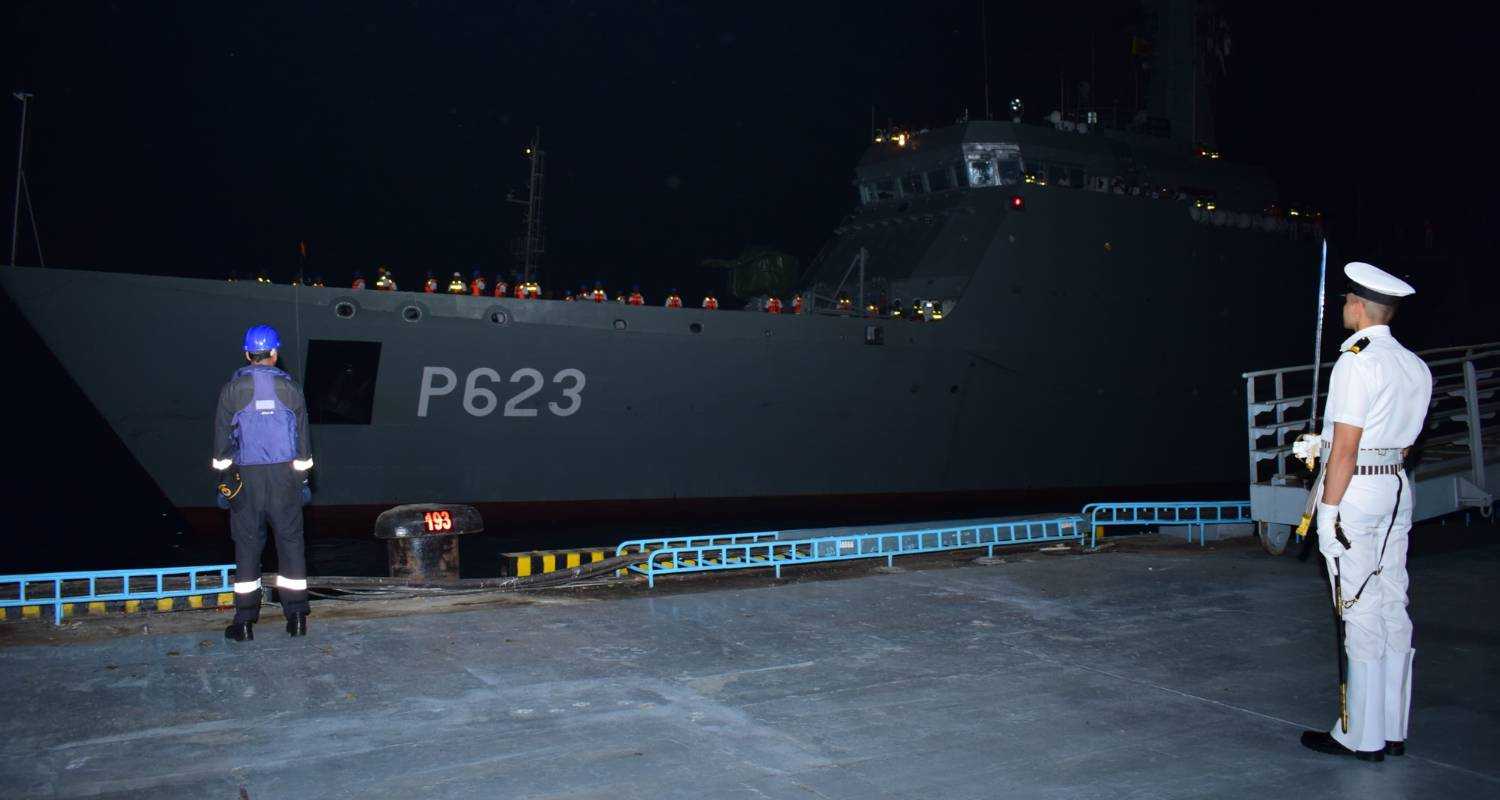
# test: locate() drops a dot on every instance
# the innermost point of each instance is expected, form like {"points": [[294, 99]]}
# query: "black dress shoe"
{"points": [[240, 631], [1323, 742], [296, 625], [1395, 748]]}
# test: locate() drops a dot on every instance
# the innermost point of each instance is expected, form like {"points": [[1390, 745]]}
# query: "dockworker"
{"points": [[636, 298], [710, 302], [477, 284], [359, 280], [598, 294], [501, 287], [674, 300], [262, 453], [456, 284], [383, 280], [429, 286], [1377, 401], [773, 305]]}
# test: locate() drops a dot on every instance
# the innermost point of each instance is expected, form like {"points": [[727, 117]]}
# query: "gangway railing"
{"points": [[1451, 463], [697, 540], [63, 589], [843, 547], [1196, 515]]}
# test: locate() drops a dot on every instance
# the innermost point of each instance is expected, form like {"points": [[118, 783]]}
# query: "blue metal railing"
{"points": [[707, 557], [85, 587], [1195, 514], [642, 545]]}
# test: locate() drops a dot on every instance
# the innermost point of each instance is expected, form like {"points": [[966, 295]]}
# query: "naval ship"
{"points": [[1086, 298]]}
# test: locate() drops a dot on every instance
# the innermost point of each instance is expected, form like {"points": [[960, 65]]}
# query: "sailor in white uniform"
{"points": [[1377, 402]]}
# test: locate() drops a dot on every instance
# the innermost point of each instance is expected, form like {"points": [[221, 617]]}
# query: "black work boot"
{"points": [[1395, 748], [1323, 742], [240, 631], [296, 624]]}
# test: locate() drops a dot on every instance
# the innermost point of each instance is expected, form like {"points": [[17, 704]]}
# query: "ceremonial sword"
{"points": [[1316, 494]]}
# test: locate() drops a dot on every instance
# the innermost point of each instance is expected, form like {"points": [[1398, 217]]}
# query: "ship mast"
{"points": [[529, 249]]}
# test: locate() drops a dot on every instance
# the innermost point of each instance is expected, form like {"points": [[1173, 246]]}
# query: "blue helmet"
{"points": [[261, 338]]}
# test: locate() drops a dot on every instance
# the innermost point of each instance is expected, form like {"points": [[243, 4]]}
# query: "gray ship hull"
{"points": [[1066, 364]]}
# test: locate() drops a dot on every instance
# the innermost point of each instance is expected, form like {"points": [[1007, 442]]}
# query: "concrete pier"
{"points": [[1167, 671]]}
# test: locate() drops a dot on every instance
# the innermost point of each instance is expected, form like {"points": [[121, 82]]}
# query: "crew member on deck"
{"points": [[359, 280], [430, 285], [773, 305], [1377, 401], [456, 284], [710, 302], [796, 304], [501, 287], [674, 300], [477, 284], [383, 280], [598, 294], [262, 452], [636, 298]]}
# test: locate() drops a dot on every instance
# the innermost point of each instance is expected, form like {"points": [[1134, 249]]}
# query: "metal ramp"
{"points": [[1196, 515], [677, 555], [1454, 464]]}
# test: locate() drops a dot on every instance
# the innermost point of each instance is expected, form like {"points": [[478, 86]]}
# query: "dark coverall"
{"points": [[272, 494]]}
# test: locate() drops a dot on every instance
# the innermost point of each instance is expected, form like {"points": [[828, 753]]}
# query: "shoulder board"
{"points": [[1359, 345]]}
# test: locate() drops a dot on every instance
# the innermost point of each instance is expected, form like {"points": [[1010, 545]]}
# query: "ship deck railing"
{"points": [[1451, 466], [63, 590], [1196, 515], [778, 553]]}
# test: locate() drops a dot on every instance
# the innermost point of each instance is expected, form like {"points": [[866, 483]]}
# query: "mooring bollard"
{"points": [[422, 539]]}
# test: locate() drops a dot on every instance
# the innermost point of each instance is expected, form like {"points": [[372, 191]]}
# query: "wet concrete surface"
{"points": [[1153, 670]]}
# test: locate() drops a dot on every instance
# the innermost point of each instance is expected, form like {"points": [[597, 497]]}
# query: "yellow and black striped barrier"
{"points": [[540, 562], [98, 608]]}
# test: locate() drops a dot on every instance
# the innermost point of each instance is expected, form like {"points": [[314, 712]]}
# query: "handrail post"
{"points": [[1476, 440]]}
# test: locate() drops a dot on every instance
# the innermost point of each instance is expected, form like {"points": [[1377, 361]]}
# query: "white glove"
{"points": [[302, 464], [1328, 541], [1307, 447], [221, 464]]}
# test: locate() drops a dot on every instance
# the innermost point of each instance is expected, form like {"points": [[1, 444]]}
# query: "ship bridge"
{"points": [[931, 203]]}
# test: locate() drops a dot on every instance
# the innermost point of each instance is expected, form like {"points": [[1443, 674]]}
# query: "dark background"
{"points": [[194, 138]]}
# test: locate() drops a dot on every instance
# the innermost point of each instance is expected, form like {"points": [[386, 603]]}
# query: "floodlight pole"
{"points": [[15, 217]]}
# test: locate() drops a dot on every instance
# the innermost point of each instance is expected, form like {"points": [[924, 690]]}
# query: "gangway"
{"points": [[748, 551], [1452, 465], [1196, 515]]}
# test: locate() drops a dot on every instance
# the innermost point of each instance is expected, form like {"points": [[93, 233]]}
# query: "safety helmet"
{"points": [[261, 338]]}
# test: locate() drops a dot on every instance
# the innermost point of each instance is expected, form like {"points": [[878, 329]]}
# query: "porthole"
{"points": [[497, 316], [696, 327], [412, 314], [344, 309], [619, 324]]}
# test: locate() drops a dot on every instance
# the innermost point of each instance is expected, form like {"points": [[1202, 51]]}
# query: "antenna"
{"points": [[984, 37], [530, 248], [15, 218]]}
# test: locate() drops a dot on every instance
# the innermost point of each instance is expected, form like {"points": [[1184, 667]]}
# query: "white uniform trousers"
{"points": [[1377, 630]]}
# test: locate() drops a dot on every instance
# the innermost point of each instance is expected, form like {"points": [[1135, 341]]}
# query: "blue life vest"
{"points": [[266, 430]]}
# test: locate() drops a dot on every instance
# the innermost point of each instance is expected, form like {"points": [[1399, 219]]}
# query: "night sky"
{"points": [[198, 138]]}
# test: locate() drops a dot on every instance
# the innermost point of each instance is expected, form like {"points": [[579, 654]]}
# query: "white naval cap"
{"points": [[1375, 284]]}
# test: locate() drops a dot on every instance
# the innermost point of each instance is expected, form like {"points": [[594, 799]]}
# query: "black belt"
{"points": [[1377, 469]]}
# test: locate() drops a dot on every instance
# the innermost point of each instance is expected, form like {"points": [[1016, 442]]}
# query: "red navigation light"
{"points": [[1017, 203]]}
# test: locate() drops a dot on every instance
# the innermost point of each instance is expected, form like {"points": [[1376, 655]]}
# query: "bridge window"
{"points": [[885, 189], [981, 172], [912, 184], [939, 180]]}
